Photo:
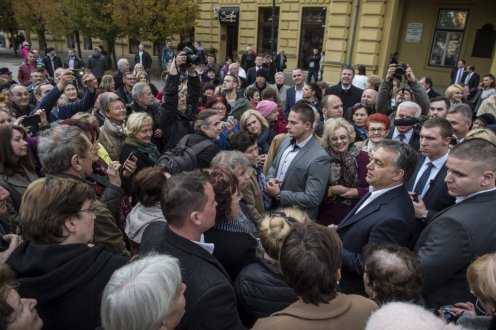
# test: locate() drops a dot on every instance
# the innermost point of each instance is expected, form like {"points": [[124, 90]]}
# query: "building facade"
{"points": [[431, 36]]}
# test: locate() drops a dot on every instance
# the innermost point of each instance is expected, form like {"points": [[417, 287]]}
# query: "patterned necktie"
{"points": [[419, 187], [402, 137]]}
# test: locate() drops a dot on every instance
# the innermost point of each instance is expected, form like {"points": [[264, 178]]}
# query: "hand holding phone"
{"points": [[31, 120]]}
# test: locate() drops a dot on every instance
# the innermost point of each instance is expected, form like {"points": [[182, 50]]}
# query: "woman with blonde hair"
{"points": [[454, 93], [139, 132], [481, 277], [261, 287], [253, 122], [348, 170], [107, 84]]}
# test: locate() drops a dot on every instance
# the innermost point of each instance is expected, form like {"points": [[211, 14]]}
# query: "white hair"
{"points": [[121, 62], [139, 296], [410, 104], [404, 316]]}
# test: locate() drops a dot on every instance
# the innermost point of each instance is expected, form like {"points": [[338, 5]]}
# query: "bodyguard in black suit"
{"points": [[349, 94], [384, 215], [188, 203], [427, 182], [458, 235]]}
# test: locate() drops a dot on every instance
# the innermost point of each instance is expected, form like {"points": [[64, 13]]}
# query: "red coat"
{"points": [[24, 74]]}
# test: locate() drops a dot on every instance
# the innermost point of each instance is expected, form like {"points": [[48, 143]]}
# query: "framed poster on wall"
{"points": [[448, 37]]}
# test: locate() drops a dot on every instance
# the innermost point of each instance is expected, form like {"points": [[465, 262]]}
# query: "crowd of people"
{"points": [[226, 199]]}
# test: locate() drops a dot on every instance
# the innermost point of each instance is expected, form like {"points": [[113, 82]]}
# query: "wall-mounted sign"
{"points": [[229, 15], [414, 32]]}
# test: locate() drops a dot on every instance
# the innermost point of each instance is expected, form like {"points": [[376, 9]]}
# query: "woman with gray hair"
{"points": [[147, 294], [112, 132]]}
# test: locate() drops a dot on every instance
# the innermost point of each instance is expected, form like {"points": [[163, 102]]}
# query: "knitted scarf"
{"points": [[149, 149]]}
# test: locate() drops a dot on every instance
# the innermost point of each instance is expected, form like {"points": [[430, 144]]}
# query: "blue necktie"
{"points": [[419, 187]]}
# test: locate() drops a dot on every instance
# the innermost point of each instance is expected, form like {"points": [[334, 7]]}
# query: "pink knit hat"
{"points": [[265, 107]]}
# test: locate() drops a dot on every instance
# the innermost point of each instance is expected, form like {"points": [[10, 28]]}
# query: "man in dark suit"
{"points": [[459, 234], [457, 73], [349, 94], [426, 185], [299, 174], [295, 92], [51, 61], [384, 215], [427, 83], [406, 134], [144, 58], [471, 79], [188, 204], [251, 74]]}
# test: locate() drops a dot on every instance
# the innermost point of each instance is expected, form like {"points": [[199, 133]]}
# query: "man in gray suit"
{"points": [[459, 234], [299, 174]]}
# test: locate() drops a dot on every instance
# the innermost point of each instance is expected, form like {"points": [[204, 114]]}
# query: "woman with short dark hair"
{"points": [[147, 185], [235, 247], [56, 264], [310, 259]]}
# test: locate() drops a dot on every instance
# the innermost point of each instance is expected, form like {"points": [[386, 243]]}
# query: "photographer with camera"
{"points": [[180, 106], [58, 112], [416, 93]]}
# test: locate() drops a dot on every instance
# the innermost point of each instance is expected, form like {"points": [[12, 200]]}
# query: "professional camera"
{"points": [[191, 58], [400, 69]]}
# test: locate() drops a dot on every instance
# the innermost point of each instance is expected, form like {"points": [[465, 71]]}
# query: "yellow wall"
{"points": [[417, 55]]}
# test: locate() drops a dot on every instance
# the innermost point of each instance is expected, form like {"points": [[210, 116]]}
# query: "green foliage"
{"points": [[154, 20], [7, 18]]}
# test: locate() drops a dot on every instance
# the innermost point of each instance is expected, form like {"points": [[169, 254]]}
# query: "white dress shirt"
{"points": [[287, 157], [437, 166]]}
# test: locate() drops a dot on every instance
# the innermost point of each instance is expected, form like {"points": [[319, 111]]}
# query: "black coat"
{"points": [[349, 97], [262, 289], [234, 250], [205, 157], [57, 63], [147, 60], [174, 123], [390, 218], [210, 298], [66, 280]]}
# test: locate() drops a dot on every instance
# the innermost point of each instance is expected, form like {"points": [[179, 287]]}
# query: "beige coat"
{"points": [[253, 197], [349, 312]]}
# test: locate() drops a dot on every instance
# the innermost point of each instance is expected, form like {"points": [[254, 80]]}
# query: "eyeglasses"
{"points": [[219, 109], [376, 130], [91, 209], [289, 220]]}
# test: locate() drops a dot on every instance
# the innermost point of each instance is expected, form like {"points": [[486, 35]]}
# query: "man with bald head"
{"points": [[332, 107], [369, 97]]}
